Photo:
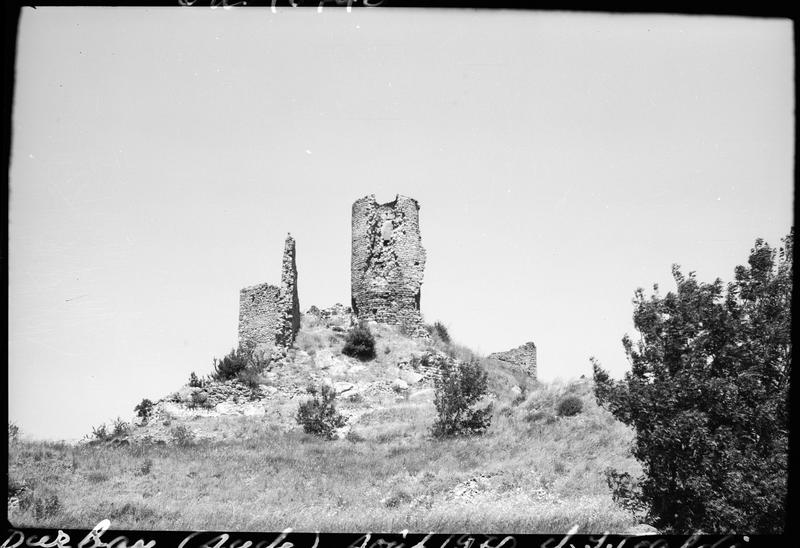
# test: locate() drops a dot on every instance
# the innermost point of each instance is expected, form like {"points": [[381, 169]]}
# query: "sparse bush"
{"points": [[101, 433], [250, 377], [43, 505], [441, 332], [228, 367], [146, 466], [182, 436], [354, 437], [460, 386], [318, 415], [144, 409], [355, 398], [541, 416], [13, 433], [359, 343], [121, 428], [199, 399], [522, 396], [15, 488], [95, 476], [396, 499], [195, 382], [569, 406]]}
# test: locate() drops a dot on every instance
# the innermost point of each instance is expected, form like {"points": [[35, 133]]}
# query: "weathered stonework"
{"points": [[269, 316], [388, 262], [523, 358]]}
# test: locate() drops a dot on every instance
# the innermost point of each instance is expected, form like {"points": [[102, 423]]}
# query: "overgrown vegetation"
{"points": [[569, 406], [144, 409], [13, 432], [195, 382], [519, 476], [318, 416], [244, 364], [359, 343], [457, 390], [707, 395], [231, 365]]}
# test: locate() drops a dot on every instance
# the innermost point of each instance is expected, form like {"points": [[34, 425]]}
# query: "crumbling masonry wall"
{"points": [[269, 316], [522, 358], [388, 262]]}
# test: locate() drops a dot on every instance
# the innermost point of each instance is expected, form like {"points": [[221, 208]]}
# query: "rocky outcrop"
{"points": [[522, 358]]}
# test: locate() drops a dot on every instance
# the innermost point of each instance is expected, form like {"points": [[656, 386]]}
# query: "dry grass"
{"points": [[524, 475]]}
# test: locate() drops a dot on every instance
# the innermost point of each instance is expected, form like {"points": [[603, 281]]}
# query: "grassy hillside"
{"points": [[531, 472]]}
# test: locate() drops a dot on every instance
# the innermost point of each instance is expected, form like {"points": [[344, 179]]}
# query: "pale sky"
{"points": [[160, 156]]}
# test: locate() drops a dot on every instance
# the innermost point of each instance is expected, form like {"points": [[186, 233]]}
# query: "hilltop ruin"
{"points": [[388, 262], [269, 316]]}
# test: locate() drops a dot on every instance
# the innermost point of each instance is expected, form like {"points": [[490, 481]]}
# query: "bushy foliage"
{"points": [[182, 436], [13, 432], [121, 428], [144, 409], [359, 343], [457, 391], [569, 406], [250, 377], [229, 366], [707, 395], [101, 433], [439, 332], [195, 382], [318, 415]]}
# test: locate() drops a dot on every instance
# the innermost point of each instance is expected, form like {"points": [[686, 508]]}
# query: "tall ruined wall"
{"points": [[290, 305], [269, 316], [388, 262], [260, 317], [522, 358]]}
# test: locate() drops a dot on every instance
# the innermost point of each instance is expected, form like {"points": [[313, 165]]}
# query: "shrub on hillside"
{"points": [[318, 415], [457, 390], [144, 409], [439, 332], [101, 433], [708, 397], [182, 436], [13, 432], [231, 365], [250, 377], [569, 406], [359, 343], [195, 382], [121, 428]]}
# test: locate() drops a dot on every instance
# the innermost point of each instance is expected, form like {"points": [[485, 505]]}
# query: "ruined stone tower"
{"points": [[388, 262], [269, 316]]}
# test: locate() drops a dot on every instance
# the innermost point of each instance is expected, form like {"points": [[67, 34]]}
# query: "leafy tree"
{"points": [[458, 389], [144, 409], [707, 395], [318, 415]]}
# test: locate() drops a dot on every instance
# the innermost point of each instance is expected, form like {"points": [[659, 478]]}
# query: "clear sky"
{"points": [[160, 156]]}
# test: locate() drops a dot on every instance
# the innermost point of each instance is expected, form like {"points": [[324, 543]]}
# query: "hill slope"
{"points": [[243, 463]]}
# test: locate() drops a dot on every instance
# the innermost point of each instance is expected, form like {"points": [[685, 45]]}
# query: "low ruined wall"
{"points": [[522, 358]]}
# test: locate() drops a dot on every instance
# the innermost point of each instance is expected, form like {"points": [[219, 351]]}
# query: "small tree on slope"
{"points": [[707, 395], [461, 386]]}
